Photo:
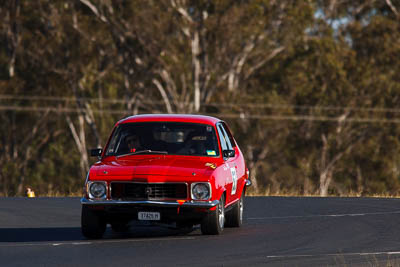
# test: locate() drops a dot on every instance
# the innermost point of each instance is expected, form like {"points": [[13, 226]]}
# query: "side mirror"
{"points": [[96, 152], [228, 153]]}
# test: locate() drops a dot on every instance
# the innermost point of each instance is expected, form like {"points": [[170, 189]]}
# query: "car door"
{"points": [[230, 167]]}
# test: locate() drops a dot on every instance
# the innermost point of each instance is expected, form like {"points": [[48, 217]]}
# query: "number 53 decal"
{"points": [[234, 180]]}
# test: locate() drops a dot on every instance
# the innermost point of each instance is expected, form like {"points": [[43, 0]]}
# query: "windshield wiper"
{"points": [[147, 151]]}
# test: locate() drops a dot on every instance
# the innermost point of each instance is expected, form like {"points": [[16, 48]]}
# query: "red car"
{"points": [[180, 170]]}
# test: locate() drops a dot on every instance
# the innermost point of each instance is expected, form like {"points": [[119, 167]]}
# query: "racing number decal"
{"points": [[234, 180]]}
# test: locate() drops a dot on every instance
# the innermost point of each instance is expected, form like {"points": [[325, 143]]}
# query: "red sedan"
{"points": [[181, 170]]}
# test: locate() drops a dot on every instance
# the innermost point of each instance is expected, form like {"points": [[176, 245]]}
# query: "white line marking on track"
{"points": [[75, 243], [81, 243], [335, 255], [327, 215]]}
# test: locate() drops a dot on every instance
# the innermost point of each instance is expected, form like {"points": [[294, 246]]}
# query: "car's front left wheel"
{"points": [[213, 223], [93, 224], [234, 217]]}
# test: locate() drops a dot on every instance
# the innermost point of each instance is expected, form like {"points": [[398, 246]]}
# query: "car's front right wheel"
{"points": [[93, 225], [213, 223]]}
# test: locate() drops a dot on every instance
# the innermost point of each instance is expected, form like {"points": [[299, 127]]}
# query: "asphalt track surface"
{"points": [[277, 231]]}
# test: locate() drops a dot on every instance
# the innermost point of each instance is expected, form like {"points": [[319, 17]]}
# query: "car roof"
{"points": [[171, 117]]}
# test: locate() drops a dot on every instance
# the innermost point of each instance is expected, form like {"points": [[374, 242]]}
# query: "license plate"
{"points": [[149, 216]]}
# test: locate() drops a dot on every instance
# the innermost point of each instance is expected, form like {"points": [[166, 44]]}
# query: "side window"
{"points": [[229, 134], [228, 142], [225, 142], [222, 139]]}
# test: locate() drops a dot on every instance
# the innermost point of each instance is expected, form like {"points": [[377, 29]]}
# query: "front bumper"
{"points": [[152, 203], [189, 212]]}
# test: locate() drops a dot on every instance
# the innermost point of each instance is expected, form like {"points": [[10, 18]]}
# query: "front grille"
{"points": [[148, 191]]}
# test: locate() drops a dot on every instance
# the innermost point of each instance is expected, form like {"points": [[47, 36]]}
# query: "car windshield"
{"points": [[174, 138]]}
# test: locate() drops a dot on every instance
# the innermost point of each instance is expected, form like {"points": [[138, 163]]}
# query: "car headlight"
{"points": [[201, 191], [97, 190]]}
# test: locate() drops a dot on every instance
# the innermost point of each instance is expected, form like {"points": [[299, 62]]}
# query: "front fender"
{"points": [[219, 187]]}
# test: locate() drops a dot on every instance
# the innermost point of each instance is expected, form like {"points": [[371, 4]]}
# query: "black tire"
{"points": [[213, 223], [234, 218], [93, 225], [120, 226]]}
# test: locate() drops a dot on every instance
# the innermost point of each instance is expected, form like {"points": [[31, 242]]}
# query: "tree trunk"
{"points": [[325, 179], [80, 143], [196, 68]]}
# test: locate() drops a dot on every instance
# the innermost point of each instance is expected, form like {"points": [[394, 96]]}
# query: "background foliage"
{"points": [[310, 88]]}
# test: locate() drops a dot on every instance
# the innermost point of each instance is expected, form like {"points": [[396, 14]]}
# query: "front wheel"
{"points": [[93, 225], [213, 223], [234, 218]]}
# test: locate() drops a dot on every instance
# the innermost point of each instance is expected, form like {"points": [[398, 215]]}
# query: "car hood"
{"points": [[128, 168]]}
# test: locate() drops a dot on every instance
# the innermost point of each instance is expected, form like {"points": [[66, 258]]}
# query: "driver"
{"points": [[133, 143]]}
